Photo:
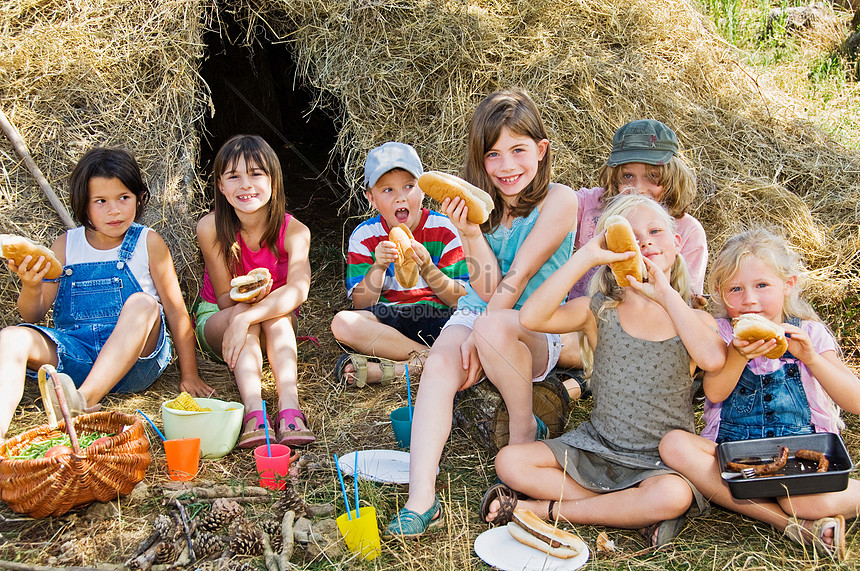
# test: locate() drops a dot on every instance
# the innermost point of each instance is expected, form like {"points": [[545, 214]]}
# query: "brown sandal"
{"points": [[507, 502]]}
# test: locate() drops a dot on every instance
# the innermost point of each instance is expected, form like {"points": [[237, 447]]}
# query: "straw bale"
{"points": [[74, 75]]}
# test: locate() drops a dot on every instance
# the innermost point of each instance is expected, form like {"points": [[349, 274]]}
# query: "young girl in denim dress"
{"points": [[756, 397], [112, 303], [250, 228]]}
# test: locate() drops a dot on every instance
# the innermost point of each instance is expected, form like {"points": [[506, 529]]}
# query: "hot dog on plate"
{"points": [[529, 529], [405, 267], [16, 248]]}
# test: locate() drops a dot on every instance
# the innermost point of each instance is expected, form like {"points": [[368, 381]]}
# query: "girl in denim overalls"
{"points": [[117, 289], [757, 397], [251, 228]]}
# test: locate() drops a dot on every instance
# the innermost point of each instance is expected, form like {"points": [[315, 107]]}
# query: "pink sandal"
{"points": [[292, 436], [257, 436]]}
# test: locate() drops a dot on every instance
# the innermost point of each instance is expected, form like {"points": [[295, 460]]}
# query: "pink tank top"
{"points": [[262, 258]]}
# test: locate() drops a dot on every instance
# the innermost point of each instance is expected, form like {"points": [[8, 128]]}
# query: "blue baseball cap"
{"points": [[389, 156], [645, 141]]}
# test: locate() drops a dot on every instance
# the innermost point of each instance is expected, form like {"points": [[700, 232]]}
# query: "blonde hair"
{"points": [[773, 251], [676, 177], [604, 281]]}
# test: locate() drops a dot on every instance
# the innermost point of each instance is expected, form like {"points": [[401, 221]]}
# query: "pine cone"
{"points": [[272, 528], [166, 553], [222, 513], [289, 500], [164, 526], [245, 538], [206, 544]]}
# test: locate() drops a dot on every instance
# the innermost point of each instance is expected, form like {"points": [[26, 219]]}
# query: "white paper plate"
{"points": [[498, 548], [385, 466]]}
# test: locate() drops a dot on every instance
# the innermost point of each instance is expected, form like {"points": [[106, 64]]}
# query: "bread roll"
{"points": [[530, 530], [16, 248], [439, 186], [249, 286], [405, 267], [753, 327], [619, 239]]}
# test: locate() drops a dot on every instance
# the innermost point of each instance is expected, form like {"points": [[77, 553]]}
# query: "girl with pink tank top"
{"points": [[250, 228]]}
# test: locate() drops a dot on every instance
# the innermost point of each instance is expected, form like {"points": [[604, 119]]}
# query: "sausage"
{"points": [[762, 469], [823, 462]]}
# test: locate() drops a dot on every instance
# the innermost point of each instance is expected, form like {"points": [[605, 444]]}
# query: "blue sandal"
{"points": [[542, 432], [408, 523]]}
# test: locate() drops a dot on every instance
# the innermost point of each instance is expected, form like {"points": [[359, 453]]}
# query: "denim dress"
{"points": [[765, 406], [88, 303]]}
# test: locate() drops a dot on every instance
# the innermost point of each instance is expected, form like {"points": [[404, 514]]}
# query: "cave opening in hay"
{"points": [[254, 89]]}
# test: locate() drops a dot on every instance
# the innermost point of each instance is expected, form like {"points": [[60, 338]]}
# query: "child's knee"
{"points": [[510, 460], [142, 304], [493, 330]]}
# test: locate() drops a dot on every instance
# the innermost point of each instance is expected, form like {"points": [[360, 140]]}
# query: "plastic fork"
{"points": [[748, 473]]}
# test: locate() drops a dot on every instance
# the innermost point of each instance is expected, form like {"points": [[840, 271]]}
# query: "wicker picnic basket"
{"points": [[102, 471]]}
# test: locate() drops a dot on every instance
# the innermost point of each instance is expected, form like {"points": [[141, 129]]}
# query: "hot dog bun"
{"points": [[249, 286], [16, 248], [753, 327], [620, 238], [405, 267], [439, 186], [529, 529]]}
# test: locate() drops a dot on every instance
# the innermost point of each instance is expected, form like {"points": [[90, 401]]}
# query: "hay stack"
{"points": [[124, 72], [74, 75]]}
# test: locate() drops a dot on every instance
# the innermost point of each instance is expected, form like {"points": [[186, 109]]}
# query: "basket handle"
{"points": [[51, 372]]}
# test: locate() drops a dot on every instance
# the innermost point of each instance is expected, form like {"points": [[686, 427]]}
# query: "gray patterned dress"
{"points": [[642, 390]]}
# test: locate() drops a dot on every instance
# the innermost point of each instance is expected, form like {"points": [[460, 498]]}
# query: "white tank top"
{"points": [[79, 251]]}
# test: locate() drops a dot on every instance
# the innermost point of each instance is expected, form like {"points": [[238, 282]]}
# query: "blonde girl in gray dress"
{"points": [[646, 341]]}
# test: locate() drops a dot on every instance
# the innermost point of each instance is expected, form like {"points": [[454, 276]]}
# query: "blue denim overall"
{"points": [[764, 406], [89, 299]]}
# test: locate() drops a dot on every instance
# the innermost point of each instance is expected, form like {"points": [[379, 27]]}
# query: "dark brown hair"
{"points": [[255, 150], [103, 162], [517, 111]]}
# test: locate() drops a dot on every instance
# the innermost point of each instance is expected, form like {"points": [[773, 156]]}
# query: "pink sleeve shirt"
{"points": [[825, 415]]}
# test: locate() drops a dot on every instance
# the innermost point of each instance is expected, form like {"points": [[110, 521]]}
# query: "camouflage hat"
{"points": [[645, 141]]}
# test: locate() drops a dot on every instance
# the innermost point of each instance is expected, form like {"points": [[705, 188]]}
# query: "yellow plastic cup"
{"points": [[361, 534]]}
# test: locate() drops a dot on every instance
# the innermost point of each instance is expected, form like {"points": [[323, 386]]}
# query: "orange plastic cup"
{"points": [[274, 470], [183, 457]]}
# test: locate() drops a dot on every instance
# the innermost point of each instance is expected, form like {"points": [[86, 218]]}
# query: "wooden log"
{"points": [[482, 414]]}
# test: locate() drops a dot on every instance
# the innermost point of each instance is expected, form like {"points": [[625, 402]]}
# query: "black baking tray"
{"points": [[793, 482]]}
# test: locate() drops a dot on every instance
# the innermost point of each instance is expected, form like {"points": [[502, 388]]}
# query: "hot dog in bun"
{"points": [[405, 267], [619, 239], [439, 186], [16, 248], [753, 327], [529, 529], [249, 286]]}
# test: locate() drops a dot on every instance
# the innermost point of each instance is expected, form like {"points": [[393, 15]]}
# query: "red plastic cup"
{"points": [[275, 469], [183, 457]]}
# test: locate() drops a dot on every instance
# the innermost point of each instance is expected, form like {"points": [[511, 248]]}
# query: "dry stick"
{"points": [[288, 540], [21, 147], [14, 566], [187, 530]]}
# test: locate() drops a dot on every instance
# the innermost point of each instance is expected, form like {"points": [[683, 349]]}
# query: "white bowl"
{"points": [[218, 430]]}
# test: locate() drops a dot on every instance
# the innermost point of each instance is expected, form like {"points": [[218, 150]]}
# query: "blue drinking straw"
{"points": [[266, 424], [152, 424], [408, 394], [355, 481], [343, 488]]}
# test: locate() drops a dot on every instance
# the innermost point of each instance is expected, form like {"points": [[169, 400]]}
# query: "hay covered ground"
{"points": [[78, 74]]}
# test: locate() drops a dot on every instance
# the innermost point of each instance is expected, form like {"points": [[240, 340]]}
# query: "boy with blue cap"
{"points": [[390, 324]]}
